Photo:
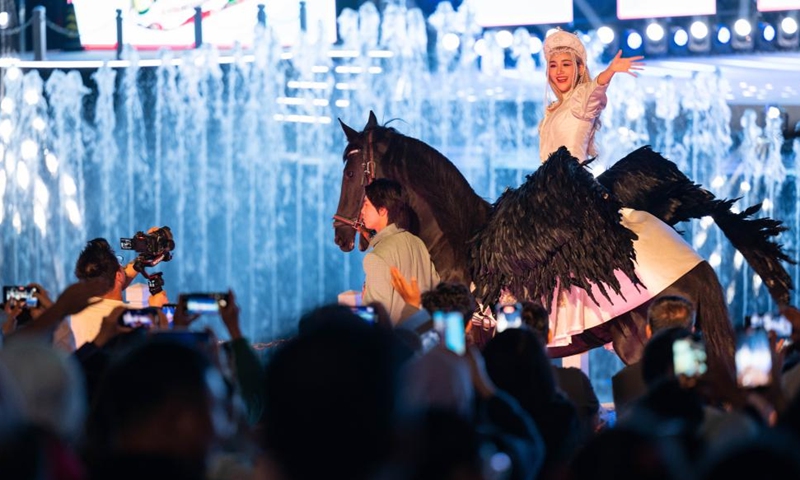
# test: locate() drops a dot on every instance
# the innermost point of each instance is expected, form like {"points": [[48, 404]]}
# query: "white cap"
{"points": [[561, 40]]}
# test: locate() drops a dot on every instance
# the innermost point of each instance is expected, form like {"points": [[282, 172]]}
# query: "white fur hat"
{"points": [[560, 40]]}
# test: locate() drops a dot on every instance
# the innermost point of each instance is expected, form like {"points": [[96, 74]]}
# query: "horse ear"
{"points": [[372, 122], [348, 132]]}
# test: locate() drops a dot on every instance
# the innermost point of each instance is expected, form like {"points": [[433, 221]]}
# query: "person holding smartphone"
{"points": [[385, 211]]}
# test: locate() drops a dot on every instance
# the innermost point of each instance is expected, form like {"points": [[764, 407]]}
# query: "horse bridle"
{"points": [[368, 165]]}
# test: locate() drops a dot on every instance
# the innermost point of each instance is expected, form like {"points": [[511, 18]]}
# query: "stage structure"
{"points": [[240, 153]]}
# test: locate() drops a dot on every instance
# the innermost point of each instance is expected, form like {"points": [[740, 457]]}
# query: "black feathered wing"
{"points": [[645, 180], [560, 228]]}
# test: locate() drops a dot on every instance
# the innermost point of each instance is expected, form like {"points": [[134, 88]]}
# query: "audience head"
{"points": [[535, 316], [670, 311], [98, 260], [388, 194], [330, 401], [439, 379], [51, 386], [450, 297], [624, 453], [160, 397], [518, 364]]}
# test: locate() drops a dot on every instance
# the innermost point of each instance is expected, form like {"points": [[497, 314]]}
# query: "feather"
{"points": [[560, 228]]}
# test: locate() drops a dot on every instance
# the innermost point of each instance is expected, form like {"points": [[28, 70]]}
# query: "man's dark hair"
{"points": [[450, 297], [535, 316], [670, 311], [388, 194], [97, 260]]}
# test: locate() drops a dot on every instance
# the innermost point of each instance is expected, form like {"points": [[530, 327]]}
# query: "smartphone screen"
{"points": [[688, 357], [450, 326], [366, 312], [508, 316], [771, 322], [169, 311], [138, 318], [18, 293], [753, 358], [204, 303]]}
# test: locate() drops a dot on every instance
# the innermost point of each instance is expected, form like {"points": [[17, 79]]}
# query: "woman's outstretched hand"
{"points": [[628, 65]]}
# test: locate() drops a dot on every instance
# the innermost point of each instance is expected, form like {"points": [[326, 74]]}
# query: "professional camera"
{"points": [[153, 248]]}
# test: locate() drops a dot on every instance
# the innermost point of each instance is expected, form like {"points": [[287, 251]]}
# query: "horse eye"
{"points": [[349, 174]]}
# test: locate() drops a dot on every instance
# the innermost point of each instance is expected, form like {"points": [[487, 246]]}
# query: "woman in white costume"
{"points": [[662, 256]]}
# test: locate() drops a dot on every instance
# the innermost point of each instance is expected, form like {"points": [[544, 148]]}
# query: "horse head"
{"points": [[359, 171]]}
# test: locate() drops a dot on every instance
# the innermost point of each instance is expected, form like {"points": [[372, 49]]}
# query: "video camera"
{"points": [[153, 248]]}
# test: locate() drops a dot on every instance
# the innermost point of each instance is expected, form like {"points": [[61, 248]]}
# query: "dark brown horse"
{"points": [[496, 246]]}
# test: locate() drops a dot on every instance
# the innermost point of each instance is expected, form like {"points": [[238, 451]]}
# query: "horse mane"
{"points": [[427, 174]]}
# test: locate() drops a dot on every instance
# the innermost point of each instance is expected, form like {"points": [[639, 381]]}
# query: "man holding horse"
{"points": [[385, 210]]}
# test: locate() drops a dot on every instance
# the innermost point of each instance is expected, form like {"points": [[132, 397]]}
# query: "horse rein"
{"points": [[369, 175]]}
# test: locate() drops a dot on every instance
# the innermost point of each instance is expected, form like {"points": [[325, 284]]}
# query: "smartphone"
{"points": [[753, 358], [507, 316], [169, 311], [689, 357], [450, 326], [139, 318], [19, 293], [771, 322], [203, 303], [366, 312]]}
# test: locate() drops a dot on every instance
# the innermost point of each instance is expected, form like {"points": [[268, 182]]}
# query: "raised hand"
{"points": [[230, 316], [409, 291], [628, 65]]}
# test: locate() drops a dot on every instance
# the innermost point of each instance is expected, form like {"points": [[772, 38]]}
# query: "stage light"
{"points": [[723, 34], [450, 42], [699, 40], [768, 32], [742, 38], [606, 35], [678, 40], [788, 36], [655, 32], [634, 40], [742, 27], [504, 38], [656, 39], [789, 26], [721, 42], [680, 37], [765, 40], [699, 30], [4, 19]]}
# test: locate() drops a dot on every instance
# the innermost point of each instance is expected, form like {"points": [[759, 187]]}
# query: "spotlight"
{"points": [[504, 38], [742, 38], [606, 35], [655, 39], [788, 36], [610, 43], [633, 40], [765, 40], [721, 42], [723, 34], [678, 41], [4, 19], [699, 40]]}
